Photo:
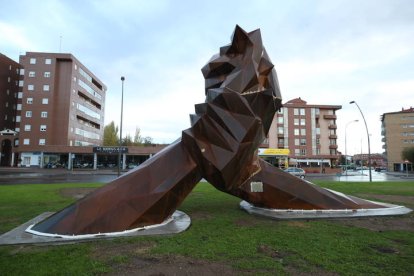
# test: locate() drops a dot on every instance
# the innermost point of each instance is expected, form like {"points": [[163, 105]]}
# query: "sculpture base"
{"points": [[389, 210], [23, 234]]}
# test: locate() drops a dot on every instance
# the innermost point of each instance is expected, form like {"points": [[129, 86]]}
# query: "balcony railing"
{"points": [[329, 116]]}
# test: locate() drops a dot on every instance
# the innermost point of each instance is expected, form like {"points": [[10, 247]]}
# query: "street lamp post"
{"points": [[369, 145], [120, 128], [346, 155]]}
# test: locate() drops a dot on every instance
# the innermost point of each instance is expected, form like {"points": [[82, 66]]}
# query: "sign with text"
{"points": [[271, 151], [110, 150]]}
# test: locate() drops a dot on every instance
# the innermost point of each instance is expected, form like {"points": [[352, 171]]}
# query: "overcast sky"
{"points": [[326, 52]]}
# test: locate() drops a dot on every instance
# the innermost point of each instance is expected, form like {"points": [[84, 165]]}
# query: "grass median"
{"points": [[222, 238]]}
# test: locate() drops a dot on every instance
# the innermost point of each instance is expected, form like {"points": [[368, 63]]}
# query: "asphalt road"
{"points": [[10, 176]]}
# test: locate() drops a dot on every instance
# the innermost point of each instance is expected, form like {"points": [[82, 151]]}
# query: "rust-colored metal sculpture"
{"points": [[242, 96]]}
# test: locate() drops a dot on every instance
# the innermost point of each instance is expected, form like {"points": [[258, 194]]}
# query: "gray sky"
{"points": [[326, 52]]}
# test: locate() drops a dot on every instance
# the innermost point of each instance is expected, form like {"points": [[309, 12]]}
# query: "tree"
{"points": [[137, 137], [127, 140], [408, 154], [147, 140], [110, 135]]}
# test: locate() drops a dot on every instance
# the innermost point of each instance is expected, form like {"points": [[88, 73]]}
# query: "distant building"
{"points": [[398, 133], [9, 79], [377, 160], [308, 131], [61, 104], [52, 115]]}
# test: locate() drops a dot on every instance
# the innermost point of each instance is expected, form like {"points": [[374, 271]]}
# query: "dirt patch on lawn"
{"points": [[134, 259], [76, 193], [379, 224], [171, 265]]}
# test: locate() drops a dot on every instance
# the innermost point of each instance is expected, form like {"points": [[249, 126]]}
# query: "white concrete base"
{"points": [[23, 234], [389, 210]]}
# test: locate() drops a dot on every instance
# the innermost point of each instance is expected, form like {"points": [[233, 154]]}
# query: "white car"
{"points": [[296, 172]]}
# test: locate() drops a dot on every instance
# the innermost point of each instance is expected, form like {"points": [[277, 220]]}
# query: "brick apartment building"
{"points": [[9, 79], [53, 111], [308, 131], [52, 104], [398, 133]]}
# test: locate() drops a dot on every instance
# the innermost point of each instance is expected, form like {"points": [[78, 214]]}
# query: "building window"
{"points": [[296, 131], [46, 74], [42, 142], [19, 107], [296, 121], [302, 111], [43, 114], [318, 131], [318, 141], [296, 142], [21, 72], [303, 142], [32, 61], [46, 87], [42, 127], [18, 119], [28, 114], [303, 152], [21, 83], [26, 142], [45, 101], [332, 152], [302, 122], [297, 152], [296, 111], [30, 87], [27, 127], [303, 131], [7, 104], [29, 100], [5, 117], [48, 61], [280, 130], [280, 120], [32, 74]]}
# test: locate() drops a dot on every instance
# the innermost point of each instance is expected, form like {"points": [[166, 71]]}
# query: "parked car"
{"points": [[296, 172], [379, 169]]}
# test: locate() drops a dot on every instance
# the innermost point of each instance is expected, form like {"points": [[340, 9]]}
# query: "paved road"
{"points": [[49, 176]]}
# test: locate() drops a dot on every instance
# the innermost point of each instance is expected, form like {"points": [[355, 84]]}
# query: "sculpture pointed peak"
{"points": [[239, 41]]}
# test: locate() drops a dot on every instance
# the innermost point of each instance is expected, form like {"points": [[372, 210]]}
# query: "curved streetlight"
{"points": [[120, 128], [346, 155], [369, 145]]}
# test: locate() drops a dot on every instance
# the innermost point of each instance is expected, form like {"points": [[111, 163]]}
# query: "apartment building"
{"points": [[308, 131], [60, 104], [398, 133], [9, 78]]}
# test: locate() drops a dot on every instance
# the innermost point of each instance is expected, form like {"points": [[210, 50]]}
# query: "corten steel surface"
{"points": [[242, 96]]}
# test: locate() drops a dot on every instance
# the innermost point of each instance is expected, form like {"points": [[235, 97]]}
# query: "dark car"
{"points": [[296, 172]]}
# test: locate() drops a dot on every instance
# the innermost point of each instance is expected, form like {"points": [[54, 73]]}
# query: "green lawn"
{"points": [[220, 233]]}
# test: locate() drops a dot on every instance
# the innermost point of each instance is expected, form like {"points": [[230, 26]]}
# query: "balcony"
{"points": [[333, 136], [329, 116], [332, 126], [333, 146]]}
